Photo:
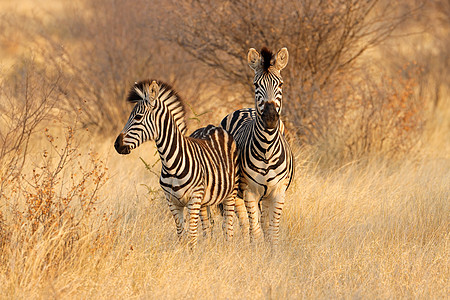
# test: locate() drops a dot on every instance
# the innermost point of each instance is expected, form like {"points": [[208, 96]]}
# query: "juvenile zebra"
{"points": [[266, 160], [196, 172]]}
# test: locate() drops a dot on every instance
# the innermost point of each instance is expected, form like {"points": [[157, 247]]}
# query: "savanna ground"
{"points": [[366, 103]]}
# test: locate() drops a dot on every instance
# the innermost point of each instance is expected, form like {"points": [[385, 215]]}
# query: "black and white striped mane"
{"points": [[167, 95], [267, 59]]}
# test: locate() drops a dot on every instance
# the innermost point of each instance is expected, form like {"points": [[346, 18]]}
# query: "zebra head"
{"points": [[140, 126], [268, 83]]}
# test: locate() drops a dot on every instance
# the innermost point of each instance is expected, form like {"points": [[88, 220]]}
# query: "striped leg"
{"points": [[177, 213], [194, 211], [228, 213], [276, 209], [206, 224], [265, 209], [242, 215], [251, 203]]}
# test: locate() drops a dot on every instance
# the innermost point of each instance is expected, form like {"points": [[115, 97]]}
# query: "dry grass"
{"points": [[376, 230], [371, 228]]}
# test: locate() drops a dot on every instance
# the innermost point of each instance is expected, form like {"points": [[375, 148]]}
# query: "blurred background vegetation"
{"points": [[366, 80], [363, 76]]}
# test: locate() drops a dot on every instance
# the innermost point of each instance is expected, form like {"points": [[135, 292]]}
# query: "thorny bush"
{"points": [[326, 41], [55, 203], [53, 197]]}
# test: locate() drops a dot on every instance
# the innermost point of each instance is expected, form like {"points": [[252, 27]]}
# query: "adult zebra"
{"points": [[266, 160], [196, 171]]}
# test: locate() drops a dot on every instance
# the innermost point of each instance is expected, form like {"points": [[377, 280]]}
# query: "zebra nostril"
{"points": [[120, 147]]}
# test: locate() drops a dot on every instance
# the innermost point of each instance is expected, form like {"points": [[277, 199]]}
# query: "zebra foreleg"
{"points": [[275, 211], [265, 209], [251, 203], [194, 211]]}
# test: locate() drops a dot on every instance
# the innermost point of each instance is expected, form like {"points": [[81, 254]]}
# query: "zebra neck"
{"points": [[170, 142], [265, 139]]}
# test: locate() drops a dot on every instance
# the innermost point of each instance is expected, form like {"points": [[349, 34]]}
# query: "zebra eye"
{"points": [[138, 117], [281, 84], [256, 85]]}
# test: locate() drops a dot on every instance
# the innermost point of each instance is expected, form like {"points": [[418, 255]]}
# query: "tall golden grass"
{"points": [[78, 220], [372, 230]]}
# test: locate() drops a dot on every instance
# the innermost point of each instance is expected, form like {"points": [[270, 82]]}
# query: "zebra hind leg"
{"points": [[206, 222], [177, 213], [241, 213], [228, 209]]}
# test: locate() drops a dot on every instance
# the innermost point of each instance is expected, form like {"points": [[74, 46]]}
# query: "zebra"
{"points": [[196, 171], [266, 160]]}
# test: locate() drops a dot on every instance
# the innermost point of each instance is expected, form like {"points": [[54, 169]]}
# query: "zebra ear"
{"points": [[282, 59], [254, 59], [153, 92]]}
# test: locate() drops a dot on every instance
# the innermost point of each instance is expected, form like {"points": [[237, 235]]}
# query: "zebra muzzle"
{"points": [[270, 115], [120, 147]]}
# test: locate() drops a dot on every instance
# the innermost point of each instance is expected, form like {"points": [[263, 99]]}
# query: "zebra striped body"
{"points": [[266, 160], [196, 171]]}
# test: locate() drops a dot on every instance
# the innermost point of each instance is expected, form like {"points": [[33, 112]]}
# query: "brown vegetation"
{"points": [[366, 101], [327, 83]]}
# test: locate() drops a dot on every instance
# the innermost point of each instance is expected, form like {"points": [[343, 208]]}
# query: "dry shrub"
{"points": [[428, 46], [368, 117], [323, 37], [105, 46], [28, 97], [326, 40], [48, 195], [52, 204], [45, 206]]}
